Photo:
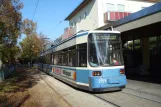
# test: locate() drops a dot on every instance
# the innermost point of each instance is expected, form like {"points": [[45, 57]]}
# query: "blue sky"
{"points": [[48, 15]]}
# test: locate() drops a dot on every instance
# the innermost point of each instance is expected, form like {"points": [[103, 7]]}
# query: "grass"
{"points": [[13, 90], [12, 84]]}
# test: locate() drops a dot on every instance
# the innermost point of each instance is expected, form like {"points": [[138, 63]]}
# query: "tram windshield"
{"points": [[105, 49]]}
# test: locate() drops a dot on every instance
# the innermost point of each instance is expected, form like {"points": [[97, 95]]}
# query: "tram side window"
{"points": [[55, 58], [47, 59], [82, 55], [41, 59], [58, 58], [65, 57], [52, 58], [72, 57]]}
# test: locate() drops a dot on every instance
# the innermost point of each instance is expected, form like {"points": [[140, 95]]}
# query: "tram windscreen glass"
{"points": [[105, 49]]}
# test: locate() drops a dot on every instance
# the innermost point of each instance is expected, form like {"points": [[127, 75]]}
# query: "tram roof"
{"points": [[82, 33]]}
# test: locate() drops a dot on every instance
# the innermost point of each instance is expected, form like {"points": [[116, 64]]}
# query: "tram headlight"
{"points": [[122, 71], [96, 73]]}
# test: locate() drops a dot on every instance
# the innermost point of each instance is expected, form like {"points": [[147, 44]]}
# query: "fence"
{"points": [[6, 71]]}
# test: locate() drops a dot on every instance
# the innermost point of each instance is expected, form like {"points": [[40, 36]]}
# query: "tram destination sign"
{"points": [[107, 37]]}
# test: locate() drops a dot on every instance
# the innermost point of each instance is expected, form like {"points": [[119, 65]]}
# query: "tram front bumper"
{"points": [[107, 83]]}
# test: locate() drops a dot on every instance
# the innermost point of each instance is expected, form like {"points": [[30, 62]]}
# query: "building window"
{"points": [[85, 15], [80, 18], [110, 7], [71, 24], [121, 8], [74, 23], [136, 44]]}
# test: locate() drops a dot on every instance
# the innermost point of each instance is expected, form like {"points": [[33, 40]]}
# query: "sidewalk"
{"points": [[26, 89], [146, 90], [150, 88]]}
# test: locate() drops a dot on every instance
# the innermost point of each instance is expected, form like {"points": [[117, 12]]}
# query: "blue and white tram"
{"points": [[90, 60]]}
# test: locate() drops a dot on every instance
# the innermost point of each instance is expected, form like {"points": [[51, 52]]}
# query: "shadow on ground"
{"points": [[13, 91]]}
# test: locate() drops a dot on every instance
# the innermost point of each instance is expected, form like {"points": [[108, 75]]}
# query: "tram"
{"points": [[89, 60]]}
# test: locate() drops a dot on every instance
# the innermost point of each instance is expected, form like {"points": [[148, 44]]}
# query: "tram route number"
{"points": [[102, 80]]}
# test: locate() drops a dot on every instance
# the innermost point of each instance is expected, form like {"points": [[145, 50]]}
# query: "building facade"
{"points": [[92, 14]]}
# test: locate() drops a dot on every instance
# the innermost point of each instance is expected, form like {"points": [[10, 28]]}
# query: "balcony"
{"points": [[114, 16]]}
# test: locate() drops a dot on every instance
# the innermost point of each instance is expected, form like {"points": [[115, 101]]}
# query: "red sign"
{"points": [[57, 70]]}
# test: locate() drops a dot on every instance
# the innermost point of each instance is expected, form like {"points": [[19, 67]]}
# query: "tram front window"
{"points": [[105, 49]]}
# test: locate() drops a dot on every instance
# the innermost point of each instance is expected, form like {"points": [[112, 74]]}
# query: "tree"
{"points": [[10, 24], [9, 54], [45, 42], [31, 44], [29, 27], [10, 21]]}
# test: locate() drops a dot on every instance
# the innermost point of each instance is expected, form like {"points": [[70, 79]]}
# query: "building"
{"points": [[92, 14], [141, 38]]}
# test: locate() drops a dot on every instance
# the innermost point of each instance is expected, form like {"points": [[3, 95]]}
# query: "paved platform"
{"points": [[150, 88], [146, 90]]}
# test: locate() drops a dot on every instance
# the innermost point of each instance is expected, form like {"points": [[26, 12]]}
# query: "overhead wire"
{"points": [[57, 25], [35, 10], [50, 21]]}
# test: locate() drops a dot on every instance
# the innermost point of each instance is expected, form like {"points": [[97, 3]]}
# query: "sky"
{"points": [[48, 15]]}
